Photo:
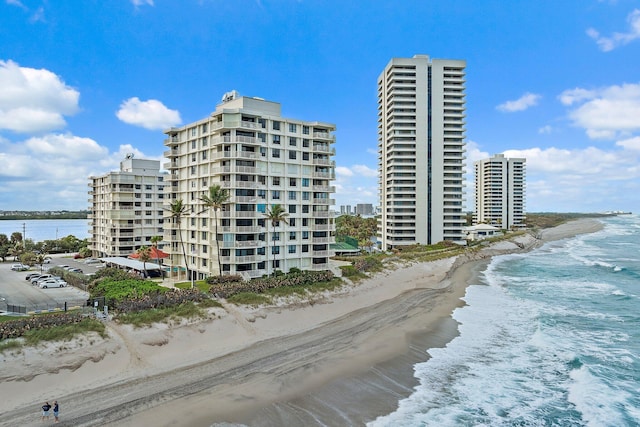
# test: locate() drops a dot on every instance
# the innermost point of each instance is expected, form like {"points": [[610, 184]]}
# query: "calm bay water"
{"points": [[547, 338], [39, 230]]}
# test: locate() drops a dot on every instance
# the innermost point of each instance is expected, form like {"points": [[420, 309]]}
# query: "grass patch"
{"points": [[209, 302], [249, 298], [65, 332], [200, 284], [147, 317], [10, 345]]}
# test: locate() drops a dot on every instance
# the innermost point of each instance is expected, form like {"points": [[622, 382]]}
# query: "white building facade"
{"points": [[421, 151], [500, 189], [126, 207], [261, 159]]}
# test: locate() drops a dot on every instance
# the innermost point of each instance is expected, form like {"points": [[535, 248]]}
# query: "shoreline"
{"points": [[306, 362]]}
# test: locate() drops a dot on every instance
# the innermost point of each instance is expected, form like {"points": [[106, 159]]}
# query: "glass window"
{"points": [[276, 139], [275, 180], [292, 195], [292, 249], [305, 182], [306, 195], [305, 130], [276, 125], [292, 182], [275, 194], [292, 155], [292, 127], [275, 152], [293, 141]]}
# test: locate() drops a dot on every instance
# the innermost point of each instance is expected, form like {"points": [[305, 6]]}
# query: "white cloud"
{"points": [[545, 130], [630, 144], [372, 151], [365, 171], [605, 113], [607, 44], [138, 3], [343, 171], [34, 101], [591, 178], [151, 114], [525, 101], [16, 3], [52, 171]]}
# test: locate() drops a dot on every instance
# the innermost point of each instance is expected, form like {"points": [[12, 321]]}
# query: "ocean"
{"points": [[40, 230], [547, 338]]}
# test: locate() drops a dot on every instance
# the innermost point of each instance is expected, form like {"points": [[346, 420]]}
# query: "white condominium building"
{"points": [[421, 151], [262, 160], [126, 207], [500, 192]]}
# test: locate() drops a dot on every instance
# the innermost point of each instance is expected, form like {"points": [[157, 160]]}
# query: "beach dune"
{"points": [[342, 358]]}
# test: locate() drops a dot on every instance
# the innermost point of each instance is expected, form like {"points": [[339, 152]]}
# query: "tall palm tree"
{"points": [[275, 215], [154, 242], [177, 210], [215, 200], [144, 255]]}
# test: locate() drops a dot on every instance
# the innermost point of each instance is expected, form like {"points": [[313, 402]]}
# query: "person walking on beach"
{"points": [[56, 411], [45, 410]]}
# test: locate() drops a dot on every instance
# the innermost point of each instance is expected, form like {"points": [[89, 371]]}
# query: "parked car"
{"points": [[62, 266], [52, 283], [92, 261], [32, 276], [19, 267], [41, 277], [47, 260], [74, 270]]}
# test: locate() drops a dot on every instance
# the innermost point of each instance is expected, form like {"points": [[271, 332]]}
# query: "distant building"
{"points": [[262, 159], [364, 209], [421, 146], [500, 185], [126, 207]]}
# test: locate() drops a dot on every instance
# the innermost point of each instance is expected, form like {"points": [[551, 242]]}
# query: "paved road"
{"points": [[15, 290]]}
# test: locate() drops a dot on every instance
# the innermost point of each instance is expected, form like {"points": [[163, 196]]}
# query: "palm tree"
{"points": [[154, 242], [215, 200], [144, 255], [178, 210], [275, 215]]}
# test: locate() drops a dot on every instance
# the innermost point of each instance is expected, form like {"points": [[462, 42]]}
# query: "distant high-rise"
{"points": [[126, 207], [500, 191], [364, 209], [421, 146]]}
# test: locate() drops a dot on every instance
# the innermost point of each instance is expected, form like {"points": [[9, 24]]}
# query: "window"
{"points": [[292, 222], [305, 222], [276, 139], [193, 236], [292, 235], [292, 195], [292, 182], [305, 143], [276, 125], [204, 155], [263, 123], [275, 237], [204, 128], [292, 155], [193, 143], [305, 182], [262, 136], [292, 249], [263, 151], [305, 235], [262, 194], [193, 221], [193, 157], [204, 262], [275, 152], [305, 208], [293, 141], [275, 180], [147, 204], [305, 248], [275, 194], [292, 209], [292, 127], [305, 130], [204, 142], [305, 195], [305, 156], [275, 250], [204, 235], [204, 222], [148, 187], [193, 170], [194, 132], [148, 196]]}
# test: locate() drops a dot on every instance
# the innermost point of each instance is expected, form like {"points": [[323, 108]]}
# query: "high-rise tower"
{"points": [[421, 146]]}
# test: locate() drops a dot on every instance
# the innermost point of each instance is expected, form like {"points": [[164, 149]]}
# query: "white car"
{"points": [[92, 261], [39, 279], [19, 267], [52, 283]]}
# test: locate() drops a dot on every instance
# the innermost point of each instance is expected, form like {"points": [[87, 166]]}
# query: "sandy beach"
{"points": [[342, 358]]}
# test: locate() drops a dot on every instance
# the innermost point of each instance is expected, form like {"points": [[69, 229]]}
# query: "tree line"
{"points": [[31, 253]]}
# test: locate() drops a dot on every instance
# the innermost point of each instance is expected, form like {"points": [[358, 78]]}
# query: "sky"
{"points": [[83, 83]]}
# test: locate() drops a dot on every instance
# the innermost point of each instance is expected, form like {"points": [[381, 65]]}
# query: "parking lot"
{"points": [[16, 290]]}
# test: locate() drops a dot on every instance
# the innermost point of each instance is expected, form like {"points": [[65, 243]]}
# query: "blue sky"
{"points": [[82, 83]]}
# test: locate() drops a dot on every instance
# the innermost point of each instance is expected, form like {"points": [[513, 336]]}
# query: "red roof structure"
{"points": [[155, 254]]}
